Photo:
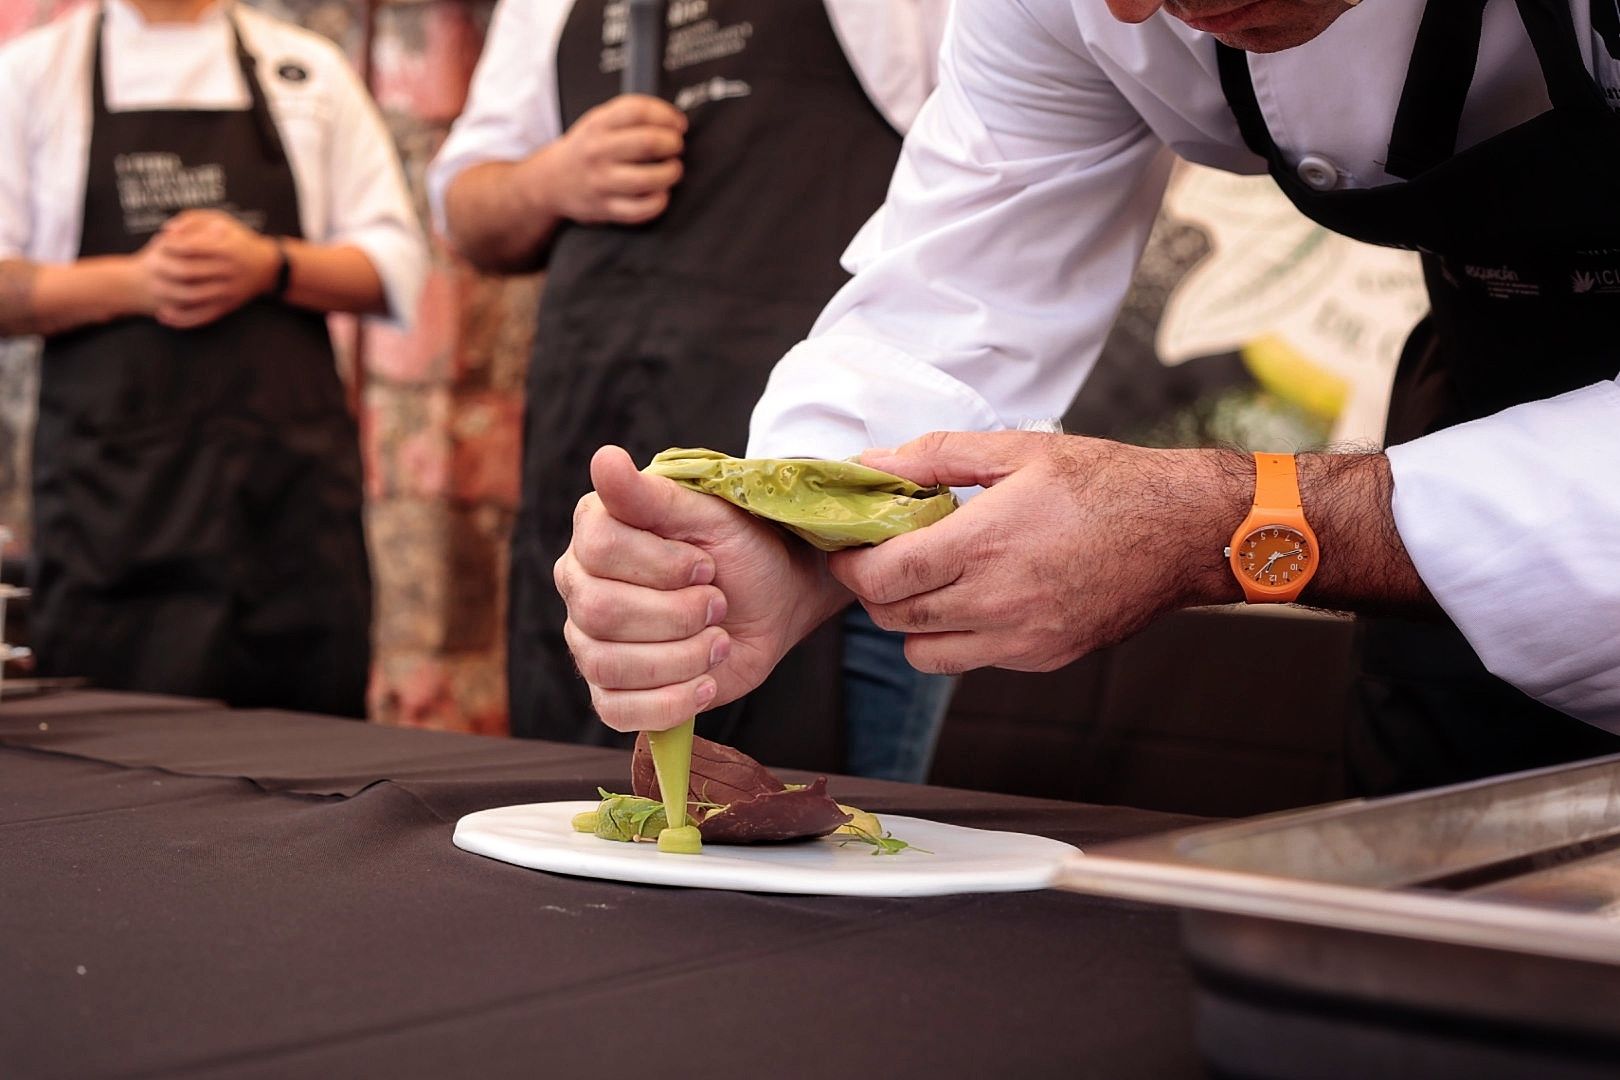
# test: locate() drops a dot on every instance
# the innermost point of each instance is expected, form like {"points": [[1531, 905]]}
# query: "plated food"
{"points": [[732, 799]]}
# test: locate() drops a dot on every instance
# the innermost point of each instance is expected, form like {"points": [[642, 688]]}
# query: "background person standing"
{"points": [[186, 188]]}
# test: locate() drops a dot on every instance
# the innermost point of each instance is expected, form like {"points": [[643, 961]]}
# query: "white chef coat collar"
{"points": [[126, 16]]}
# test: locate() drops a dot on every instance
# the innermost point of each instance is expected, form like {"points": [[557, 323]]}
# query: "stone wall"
{"points": [[441, 407]]}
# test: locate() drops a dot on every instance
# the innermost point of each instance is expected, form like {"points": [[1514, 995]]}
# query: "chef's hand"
{"points": [[205, 265], [1076, 544], [678, 601], [617, 163]]}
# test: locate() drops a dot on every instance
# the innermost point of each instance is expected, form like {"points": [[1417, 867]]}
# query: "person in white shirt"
{"points": [[186, 188], [1478, 134], [689, 238]]}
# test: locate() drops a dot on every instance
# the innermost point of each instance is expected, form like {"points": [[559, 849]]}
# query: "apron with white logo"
{"points": [[197, 492]]}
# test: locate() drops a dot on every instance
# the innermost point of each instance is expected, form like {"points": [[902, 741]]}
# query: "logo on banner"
{"points": [[1585, 282]]}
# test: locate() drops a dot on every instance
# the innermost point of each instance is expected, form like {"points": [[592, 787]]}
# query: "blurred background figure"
{"points": [[689, 239], [186, 188]]}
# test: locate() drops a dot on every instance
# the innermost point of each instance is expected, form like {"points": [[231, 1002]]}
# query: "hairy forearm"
{"points": [[1363, 566], [41, 298], [501, 215], [338, 278]]}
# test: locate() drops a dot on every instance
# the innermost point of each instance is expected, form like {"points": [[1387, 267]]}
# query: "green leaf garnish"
{"points": [[886, 844]]}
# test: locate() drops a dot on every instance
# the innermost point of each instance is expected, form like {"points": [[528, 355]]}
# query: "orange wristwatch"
{"points": [[1274, 553]]}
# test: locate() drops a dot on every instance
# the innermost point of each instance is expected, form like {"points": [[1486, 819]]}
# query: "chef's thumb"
{"points": [[954, 458], [656, 504]]}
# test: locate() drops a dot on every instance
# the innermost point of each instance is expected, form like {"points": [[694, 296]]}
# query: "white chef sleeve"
{"points": [[512, 108], [988, 281], [369, 204], [1513, 522], [14, 162]]}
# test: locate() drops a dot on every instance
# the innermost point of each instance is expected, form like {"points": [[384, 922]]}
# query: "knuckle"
{"points": [[608, 709], [595, 548], [932, 443], [884, 617], [915, 613], [913, 567], [855, 571], [648, 210], [591, 611], [596, 669]]}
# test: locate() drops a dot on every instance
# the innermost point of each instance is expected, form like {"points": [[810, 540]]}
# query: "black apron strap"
{"points": [[274, 153], [1233, 65], [1442, 69], [1552, 33], [98, 91], [1606, 21], [1437, 79]]}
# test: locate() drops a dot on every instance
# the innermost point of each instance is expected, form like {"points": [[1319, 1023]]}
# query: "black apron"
{"points": [[197, 492], [1520, 241], [664, 334]]}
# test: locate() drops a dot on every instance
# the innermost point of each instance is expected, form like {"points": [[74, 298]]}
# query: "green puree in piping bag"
{"points": [[831, 504]]}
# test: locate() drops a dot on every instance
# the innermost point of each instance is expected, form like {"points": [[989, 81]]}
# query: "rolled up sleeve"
{"points": [[512, 107], [985, 286], [14, 164], [1513, 522], [369, 206]]}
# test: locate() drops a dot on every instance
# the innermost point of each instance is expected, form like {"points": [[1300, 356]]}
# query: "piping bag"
{"points": [[830, 504]]}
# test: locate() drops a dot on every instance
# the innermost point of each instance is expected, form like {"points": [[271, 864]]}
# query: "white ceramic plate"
{"points": [[957, 860]]}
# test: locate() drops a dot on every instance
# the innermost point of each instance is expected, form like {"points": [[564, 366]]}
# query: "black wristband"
{"points": [[283, 272]]}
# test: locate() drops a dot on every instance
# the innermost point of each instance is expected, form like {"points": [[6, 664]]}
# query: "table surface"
{"points": [[187, 890]]}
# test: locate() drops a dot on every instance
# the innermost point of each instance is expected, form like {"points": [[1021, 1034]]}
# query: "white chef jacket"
{"points": [[512, 109], [351, 189], [1023, 198]]}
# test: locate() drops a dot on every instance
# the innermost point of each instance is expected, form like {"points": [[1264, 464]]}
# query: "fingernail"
{"points": [[717, 611], [703, 572], [705, 692], [719, 650]]}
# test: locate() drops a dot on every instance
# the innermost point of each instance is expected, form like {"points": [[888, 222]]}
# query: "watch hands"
{"points": [[1275, 555]]}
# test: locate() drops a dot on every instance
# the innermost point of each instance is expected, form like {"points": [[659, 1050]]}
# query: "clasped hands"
{"points": [[200, 266], [679, 602]]}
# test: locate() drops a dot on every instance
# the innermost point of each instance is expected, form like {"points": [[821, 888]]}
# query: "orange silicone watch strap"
{"points": [[1276, 483]]}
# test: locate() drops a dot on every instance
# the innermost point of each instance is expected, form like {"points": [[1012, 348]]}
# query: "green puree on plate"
{"points": [[831, 504]]}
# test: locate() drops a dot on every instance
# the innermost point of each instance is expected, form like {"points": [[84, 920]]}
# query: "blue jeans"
{"points": [[892, 711]]}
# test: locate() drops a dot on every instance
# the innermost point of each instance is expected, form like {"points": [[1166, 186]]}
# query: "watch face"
{"points": [[1274, 556]]}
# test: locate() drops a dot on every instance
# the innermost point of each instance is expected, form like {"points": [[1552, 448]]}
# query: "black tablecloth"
{"points": [[187, 890]]}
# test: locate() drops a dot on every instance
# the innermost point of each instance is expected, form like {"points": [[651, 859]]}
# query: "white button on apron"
{"points": [[1318, 172]]}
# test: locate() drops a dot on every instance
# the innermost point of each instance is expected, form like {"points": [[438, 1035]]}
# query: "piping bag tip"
{"points": [[672, 760]]}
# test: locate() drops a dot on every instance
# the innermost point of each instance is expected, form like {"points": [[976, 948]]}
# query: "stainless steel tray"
{"points": [[1494, 904]]}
